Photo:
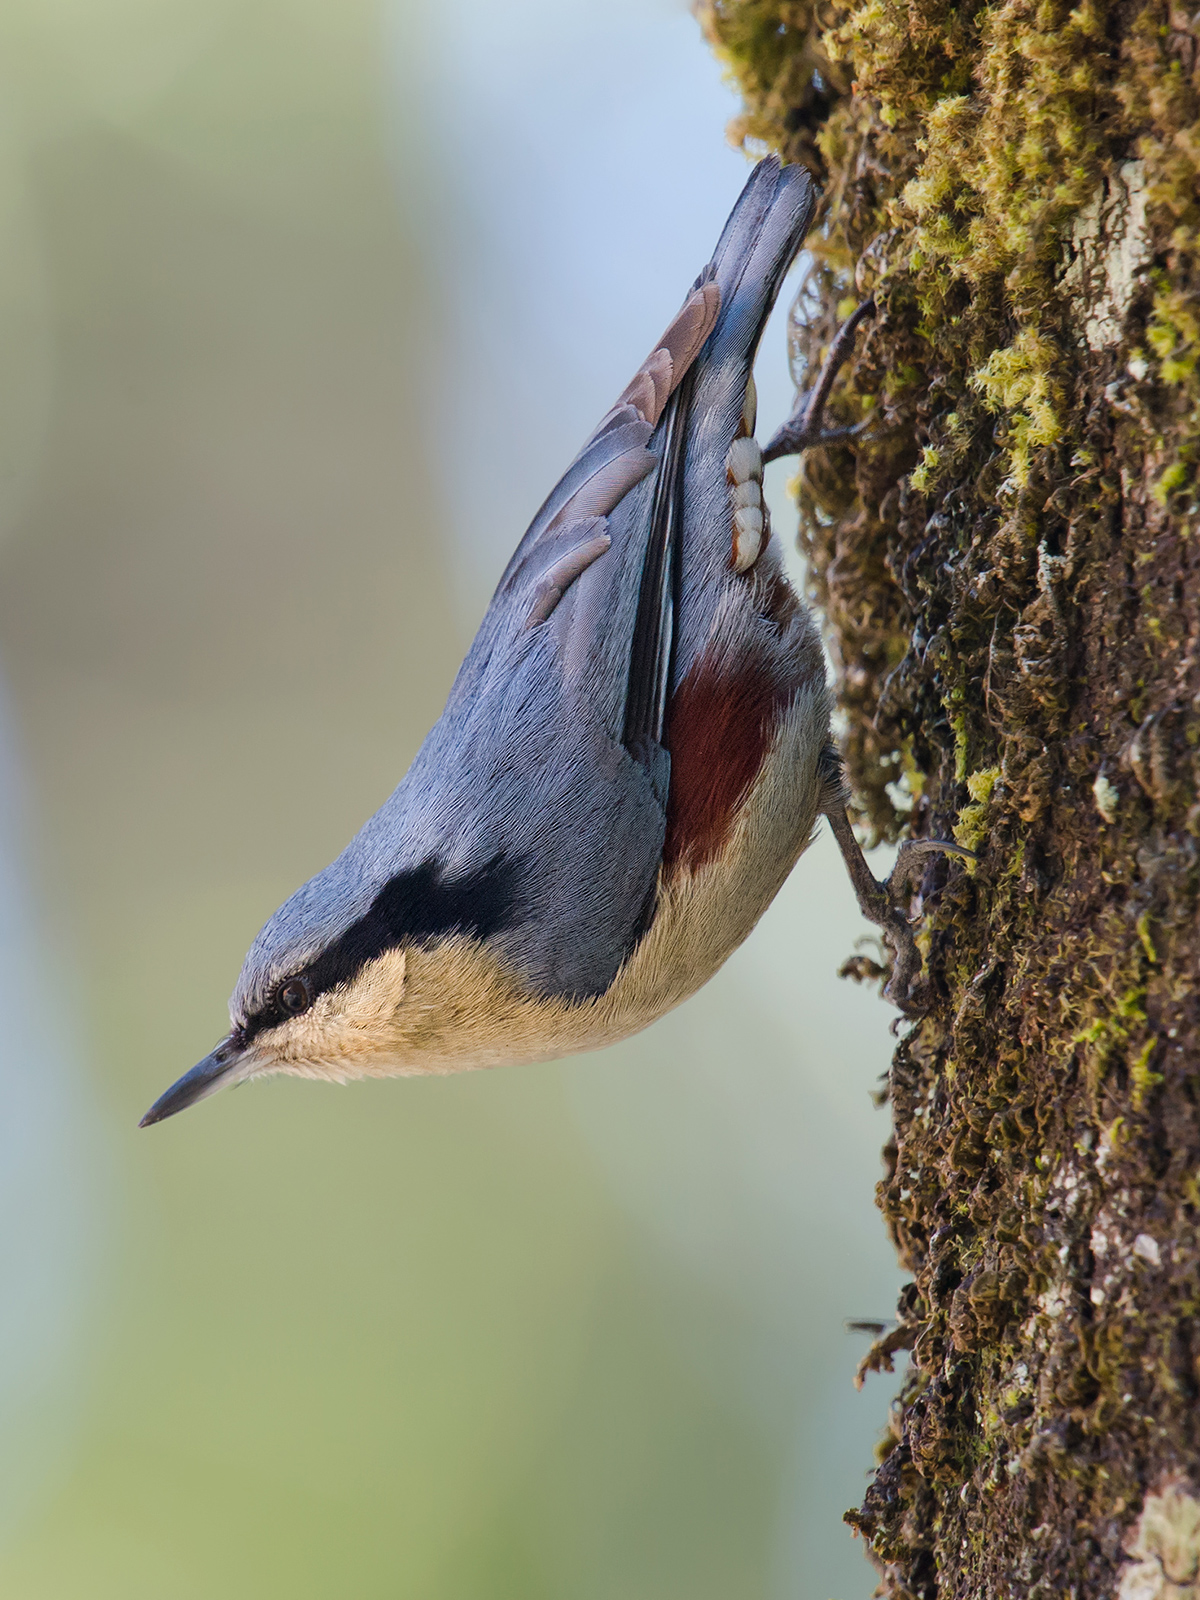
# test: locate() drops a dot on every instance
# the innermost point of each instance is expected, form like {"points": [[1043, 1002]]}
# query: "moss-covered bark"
{"points": [[1009, 565]]}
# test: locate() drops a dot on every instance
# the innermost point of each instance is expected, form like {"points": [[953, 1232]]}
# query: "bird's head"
{"points": [[325, 991]]}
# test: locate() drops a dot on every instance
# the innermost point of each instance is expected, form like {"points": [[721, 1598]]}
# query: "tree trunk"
{"points": [[1009, 565]]}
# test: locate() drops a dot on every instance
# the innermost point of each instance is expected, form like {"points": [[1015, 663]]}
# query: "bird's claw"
{"points": [[794, 437], [882, 904], [805, 427]]}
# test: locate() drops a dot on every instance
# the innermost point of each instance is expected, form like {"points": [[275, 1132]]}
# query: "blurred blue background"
{"points": [[304, 304]]}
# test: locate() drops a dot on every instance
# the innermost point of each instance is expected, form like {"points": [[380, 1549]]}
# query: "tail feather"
{"points": [[761, 239]]}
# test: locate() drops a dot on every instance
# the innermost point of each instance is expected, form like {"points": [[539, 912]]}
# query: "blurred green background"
{"points": [[303, 306]]}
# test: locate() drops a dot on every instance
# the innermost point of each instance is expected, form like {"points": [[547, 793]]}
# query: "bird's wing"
{"points": [[618, 500], [615, 457]]}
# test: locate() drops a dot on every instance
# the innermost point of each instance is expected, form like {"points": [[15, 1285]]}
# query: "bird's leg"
{"points": [[804, 427], [881, 903]]}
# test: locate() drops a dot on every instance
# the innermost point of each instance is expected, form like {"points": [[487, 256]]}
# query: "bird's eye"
{"points": [[294, 997]]}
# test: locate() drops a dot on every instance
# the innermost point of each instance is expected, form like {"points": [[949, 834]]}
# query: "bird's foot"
{"points": [[883, 904], [806, 425]]}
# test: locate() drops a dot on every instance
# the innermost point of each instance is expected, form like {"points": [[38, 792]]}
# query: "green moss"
{"points": [[1093, 1033], [924, 475], [1140, 1076], [1175, 477], [971, 828], [961, 726], [1019, 381], [1130, 1007], [980, 784]]}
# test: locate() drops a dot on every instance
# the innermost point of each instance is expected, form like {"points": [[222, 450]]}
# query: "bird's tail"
{"points": [[760, 241]]}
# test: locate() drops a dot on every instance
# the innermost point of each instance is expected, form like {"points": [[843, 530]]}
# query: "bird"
{"points": [[632, 757]]}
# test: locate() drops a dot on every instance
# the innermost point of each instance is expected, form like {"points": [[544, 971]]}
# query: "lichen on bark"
{"points": [[1008, 563]]}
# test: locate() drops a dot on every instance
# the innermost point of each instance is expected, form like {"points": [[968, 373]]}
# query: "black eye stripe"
{"points": [[414, 907]]}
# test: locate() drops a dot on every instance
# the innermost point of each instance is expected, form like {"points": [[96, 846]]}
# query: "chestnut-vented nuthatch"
{"points": [[632, 757]]}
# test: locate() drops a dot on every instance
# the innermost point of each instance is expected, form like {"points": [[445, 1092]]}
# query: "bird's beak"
{"points": [[219, 1067]]}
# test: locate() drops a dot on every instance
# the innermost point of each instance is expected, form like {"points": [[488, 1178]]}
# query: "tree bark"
{"points": [[1008, 561]]}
